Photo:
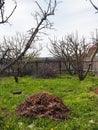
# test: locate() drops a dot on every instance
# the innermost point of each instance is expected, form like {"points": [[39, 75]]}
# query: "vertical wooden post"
{"points": [[36, 67], [60, 67]]}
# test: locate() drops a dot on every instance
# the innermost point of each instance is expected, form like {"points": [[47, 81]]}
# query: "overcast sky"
{"points": [[70, 16]]}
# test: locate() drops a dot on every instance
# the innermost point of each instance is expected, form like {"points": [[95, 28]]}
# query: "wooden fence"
{"points": [[50, 65], [39, 66]]}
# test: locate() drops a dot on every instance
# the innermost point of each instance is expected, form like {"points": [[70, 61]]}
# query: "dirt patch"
{"points": [[95, 91], [43, 105]]}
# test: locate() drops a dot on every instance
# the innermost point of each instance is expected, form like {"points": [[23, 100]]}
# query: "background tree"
{"points": [[74, 52], [11, 48]]}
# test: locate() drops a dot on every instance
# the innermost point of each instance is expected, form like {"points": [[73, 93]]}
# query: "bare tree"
{"points": [[3, 18], [74, 51], [11, 48], [42, 23]]}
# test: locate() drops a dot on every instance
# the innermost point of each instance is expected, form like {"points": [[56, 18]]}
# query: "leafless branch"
{"points": [[96, 8], [3, 18]]}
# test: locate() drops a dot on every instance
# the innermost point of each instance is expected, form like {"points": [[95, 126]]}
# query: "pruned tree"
{"points": [[3, 17], [74, 51], [42, 21], [11, 48]]}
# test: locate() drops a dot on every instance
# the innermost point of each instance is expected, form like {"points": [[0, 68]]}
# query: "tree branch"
{"points": [[94, 5], [2, 13]]}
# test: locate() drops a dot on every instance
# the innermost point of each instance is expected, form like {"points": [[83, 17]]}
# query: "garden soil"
{"points": [[43, 105]]}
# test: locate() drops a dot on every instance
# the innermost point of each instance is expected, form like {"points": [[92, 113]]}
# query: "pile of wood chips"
{"points": [[43, 105]]}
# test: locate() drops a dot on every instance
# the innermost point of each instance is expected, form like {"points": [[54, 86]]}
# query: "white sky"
{"points": [[70, 16]]}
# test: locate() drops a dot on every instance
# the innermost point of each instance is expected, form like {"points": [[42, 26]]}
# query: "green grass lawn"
{"points": [[74, 93]]}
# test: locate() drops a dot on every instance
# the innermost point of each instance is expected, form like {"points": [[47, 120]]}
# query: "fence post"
{"points": [[36, 63], [60, 66]]}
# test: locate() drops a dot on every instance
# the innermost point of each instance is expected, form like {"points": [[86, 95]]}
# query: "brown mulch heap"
{"points": [[43, 105]]}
